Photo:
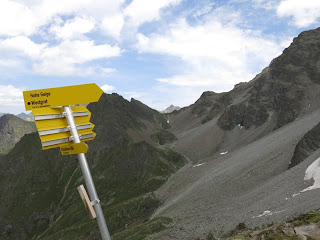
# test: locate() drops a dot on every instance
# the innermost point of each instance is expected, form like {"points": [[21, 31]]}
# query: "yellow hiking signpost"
{"points": [[53, 127], [62, 96], [74, 148], [61, 125]]}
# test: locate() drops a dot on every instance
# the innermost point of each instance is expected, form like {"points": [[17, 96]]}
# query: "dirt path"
{"points": [[67, 185]]}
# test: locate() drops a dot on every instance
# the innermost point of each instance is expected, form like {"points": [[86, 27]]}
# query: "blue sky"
{"points": [[160, 52]]}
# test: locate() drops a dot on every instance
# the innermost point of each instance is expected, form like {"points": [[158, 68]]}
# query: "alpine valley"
{"points": [[231, 161]]}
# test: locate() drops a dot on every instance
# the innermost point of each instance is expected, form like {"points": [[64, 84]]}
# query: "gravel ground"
{"points": [[240, 186], [201, 141]]}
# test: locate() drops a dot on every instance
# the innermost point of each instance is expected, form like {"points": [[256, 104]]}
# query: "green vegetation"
{"points": [[124, 215], [281, 236], [215, 110], [140, 232], [308, 218], [163, 137]]}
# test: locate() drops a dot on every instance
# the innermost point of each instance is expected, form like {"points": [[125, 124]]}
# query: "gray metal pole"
{"points": [[88, 178]]}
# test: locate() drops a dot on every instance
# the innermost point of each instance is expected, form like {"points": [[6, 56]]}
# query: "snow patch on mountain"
{"points": [[313, 172]]}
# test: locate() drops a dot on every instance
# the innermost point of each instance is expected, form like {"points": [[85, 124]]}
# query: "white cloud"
{"points": [[80, 51], [304, 13], [22, 17], [105, 71], [16, 19], [74, 28], [107, 88], [135, 95], [62, 60], [266, 4], [113, 25], [10, 96], [21, 46], [65, 47], [9, 63], [27, 17], [204, 9], [141, 11], [212, 54]]}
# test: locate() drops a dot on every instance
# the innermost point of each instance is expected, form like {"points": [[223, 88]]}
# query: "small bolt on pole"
{"points": [[87, 177]]}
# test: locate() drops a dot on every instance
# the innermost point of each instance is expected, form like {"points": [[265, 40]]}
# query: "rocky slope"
{"points": [[287, 89], [283, 91], [306, 146], [12, 129], [250, 185], [241, 144], [305, 226]]}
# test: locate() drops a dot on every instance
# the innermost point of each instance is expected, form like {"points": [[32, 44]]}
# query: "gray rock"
{"points": [[312, 230], [288, 231], [302, 237]]}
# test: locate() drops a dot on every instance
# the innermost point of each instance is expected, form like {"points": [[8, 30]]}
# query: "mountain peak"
{"points": [[26, 117], [170, 109], [8, 117]]}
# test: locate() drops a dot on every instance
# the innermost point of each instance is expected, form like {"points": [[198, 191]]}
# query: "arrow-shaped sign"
{"points": [[62, 96], [74, 148]]}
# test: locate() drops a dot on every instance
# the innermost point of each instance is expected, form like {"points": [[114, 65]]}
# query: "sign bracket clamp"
{"points": [[94, 202]]}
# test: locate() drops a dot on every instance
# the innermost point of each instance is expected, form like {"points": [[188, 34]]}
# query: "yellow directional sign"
{"points": [[60, 139], [53, 127], [62, 96], [74, 148], [49, 118]]}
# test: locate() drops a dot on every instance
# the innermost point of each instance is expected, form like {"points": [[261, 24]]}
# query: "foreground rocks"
{"points": [[304, 227]]}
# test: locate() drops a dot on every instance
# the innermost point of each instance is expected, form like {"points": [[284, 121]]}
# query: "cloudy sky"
{"points": [[160, 52]]}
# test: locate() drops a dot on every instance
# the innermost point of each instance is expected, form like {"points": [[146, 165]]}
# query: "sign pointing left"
{"points": [[62, 96]]}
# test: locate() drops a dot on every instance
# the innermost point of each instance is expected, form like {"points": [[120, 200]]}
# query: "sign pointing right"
{"points": [[62, 96]]}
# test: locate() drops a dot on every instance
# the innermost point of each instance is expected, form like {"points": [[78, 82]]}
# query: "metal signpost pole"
{"points": [[87, 177]]}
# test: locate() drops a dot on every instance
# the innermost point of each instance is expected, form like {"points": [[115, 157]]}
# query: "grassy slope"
{"points": [[39, 196]]}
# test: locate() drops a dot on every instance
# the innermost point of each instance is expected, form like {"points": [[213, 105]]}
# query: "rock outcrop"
{"points": [[12, 129]]}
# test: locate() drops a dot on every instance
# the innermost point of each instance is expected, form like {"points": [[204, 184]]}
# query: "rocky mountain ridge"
{"points": [[282, 92], [170, 109], [26, 117], [12, 129]]}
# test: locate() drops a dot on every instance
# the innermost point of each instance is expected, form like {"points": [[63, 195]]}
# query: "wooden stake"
{"points": [[87, 202]]}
